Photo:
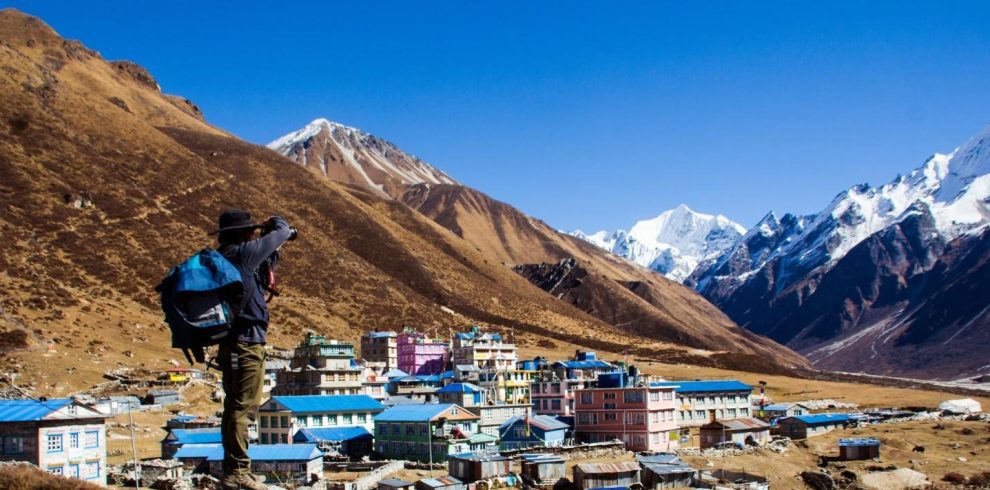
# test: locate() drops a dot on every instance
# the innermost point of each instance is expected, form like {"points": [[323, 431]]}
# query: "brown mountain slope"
{"points": [[105, 182], [636, 300]]}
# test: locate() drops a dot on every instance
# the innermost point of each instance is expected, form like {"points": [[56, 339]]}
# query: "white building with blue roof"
{"points": [[61, 436], [281, 417], [700, 402]]}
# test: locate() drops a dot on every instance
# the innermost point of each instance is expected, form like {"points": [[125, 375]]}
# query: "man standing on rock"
{"points": [[242, 357]]}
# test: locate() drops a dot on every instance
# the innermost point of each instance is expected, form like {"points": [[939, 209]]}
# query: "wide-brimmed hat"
{"points": [[234, 219]]}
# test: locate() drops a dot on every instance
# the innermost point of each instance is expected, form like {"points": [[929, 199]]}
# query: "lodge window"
{"points": [[13, 445], [73, 440], [55, 444], [586, 398]]}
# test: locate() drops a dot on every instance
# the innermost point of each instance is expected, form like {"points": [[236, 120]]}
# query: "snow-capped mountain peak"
{"points": [[673, 243], [350, 155]]}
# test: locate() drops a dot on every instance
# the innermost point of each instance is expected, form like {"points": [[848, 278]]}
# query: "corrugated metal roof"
{"points": [[460, 388], [257, 452], [480, 456], [198, 451], [780, 407], [381, 335], [24, 410], [821, 418], [441, 481], [329, 403], [661, 458], [545, 422], [590, 364], [542, 458], [745, 423], [317, 434], [395, 482], [862, 441], [706, 386], [414, 413], [395, 373], [481, 438], [207, 435], [620, 467]]}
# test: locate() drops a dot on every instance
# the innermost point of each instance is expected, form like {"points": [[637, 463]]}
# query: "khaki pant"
{"points": [[243, 367]]}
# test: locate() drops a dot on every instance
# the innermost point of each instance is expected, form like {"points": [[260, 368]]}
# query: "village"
{"points": [[415, 411]]}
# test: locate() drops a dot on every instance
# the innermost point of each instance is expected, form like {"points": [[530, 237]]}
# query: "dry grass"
{"points": [[28, 477]]}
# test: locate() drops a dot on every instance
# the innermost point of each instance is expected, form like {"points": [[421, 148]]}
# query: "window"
{"points": [[359, 418], [55, 445], [346, 418], [668, 395], [395, 429], [609, 396], [520, 432], [263, 422], [316, 420], [545, 404], [285, 438], [56, 470], [654, 396], [744, 412], [92, 470], [424, 429], [699, 414], [555, 404], [285, 421], [732, 413], [410, 430], [555, 387], [13, 445], [332, 419], [610, 406], [264, 438], [586, 398], [610, 416], [632, 397], [73, 440], [301, 421]]}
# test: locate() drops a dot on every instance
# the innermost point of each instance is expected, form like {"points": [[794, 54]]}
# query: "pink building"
{"points": [[419, 354], [643, 416]]}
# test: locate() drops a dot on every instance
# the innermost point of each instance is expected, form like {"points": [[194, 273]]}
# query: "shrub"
{"points": [[953, 477]]}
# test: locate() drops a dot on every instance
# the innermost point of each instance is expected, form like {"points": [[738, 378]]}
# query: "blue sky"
{"points": [[585, 114]]}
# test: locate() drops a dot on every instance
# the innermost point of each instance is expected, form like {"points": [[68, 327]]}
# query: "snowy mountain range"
{"points": [[673, 244], [848, 286], [353, 156]]}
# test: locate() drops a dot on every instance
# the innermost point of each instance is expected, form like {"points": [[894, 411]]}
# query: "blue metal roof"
{"points": [[395, 373], [862, 441], [209, 435], [317, 434], [447, 375], [544, 422], [592, 364], [413, 413], [706, 386], [24, 410], [822, 418], [276, 452], [257, 452], [329, 403], [428, 378], [380, 335], [198, 451], [460, 388], [780, 407]]}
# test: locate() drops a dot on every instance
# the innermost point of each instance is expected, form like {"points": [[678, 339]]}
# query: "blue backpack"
{"points": [[200, 298]]}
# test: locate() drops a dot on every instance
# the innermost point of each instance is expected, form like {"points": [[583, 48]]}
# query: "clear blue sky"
{"points": [[587, 115]]}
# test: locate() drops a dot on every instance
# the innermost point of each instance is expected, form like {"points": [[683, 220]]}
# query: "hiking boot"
{"points": [[243, 481]]}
